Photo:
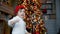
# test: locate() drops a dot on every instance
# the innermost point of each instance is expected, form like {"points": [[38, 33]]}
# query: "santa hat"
{"points": [[17, 8]]}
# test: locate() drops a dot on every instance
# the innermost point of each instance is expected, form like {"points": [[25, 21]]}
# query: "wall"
{"points": [[58, 14], [51, 26], [54, 25]]}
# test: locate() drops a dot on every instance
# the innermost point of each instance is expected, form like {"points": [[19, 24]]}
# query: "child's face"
{"points": [[21, 13]]}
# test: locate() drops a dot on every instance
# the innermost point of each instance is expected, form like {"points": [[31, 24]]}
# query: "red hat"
{"points": [[17, 8]]}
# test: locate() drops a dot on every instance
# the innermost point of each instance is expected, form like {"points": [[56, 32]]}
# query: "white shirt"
{"points": [[19, 26]]}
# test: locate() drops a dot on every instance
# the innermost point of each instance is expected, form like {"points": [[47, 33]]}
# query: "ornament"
{"points": [[44, 11]]}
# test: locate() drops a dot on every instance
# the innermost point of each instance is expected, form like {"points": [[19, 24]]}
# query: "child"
{"points": [[19, 26]]}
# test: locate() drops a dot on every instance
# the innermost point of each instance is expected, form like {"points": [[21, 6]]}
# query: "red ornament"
{"points": [[44, 10], [37, 32]]}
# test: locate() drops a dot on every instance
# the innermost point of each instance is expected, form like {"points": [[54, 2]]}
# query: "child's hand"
{"points": [[12, 22], [28, 33]]}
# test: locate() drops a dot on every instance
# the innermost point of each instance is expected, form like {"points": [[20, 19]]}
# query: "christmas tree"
{"points": [[33, 16]]}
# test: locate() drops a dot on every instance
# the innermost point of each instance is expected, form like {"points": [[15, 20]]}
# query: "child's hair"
{"points": [[18, 8]]}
